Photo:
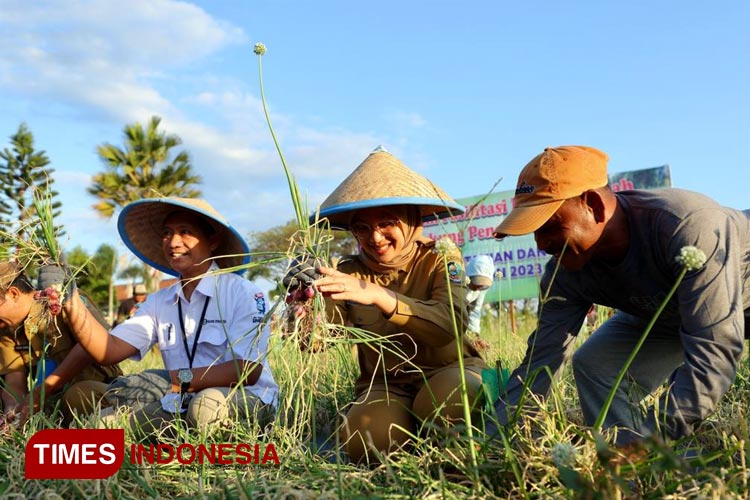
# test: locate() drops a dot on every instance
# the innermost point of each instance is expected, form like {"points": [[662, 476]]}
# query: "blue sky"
{"points": [[465, 93]]}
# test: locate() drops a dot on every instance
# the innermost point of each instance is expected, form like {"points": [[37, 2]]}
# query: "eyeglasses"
{"points": [[363, 230]]}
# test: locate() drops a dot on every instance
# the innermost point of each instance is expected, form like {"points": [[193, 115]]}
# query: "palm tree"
{"points": [[144, 169], [137, 272]]}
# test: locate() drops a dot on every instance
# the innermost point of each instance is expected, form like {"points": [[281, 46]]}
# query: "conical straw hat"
{"points": [[382, 180], [9, 271], [140, 226]]}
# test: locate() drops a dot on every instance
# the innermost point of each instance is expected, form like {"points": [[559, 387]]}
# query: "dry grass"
{"points": [[315, 389]]}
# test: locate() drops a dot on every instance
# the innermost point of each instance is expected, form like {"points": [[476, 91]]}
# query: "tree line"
{"points": [[148, 164]]}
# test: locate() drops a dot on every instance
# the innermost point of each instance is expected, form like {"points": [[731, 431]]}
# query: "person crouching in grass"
{"points": [[405, 290], [210, 326], [38, 344]]}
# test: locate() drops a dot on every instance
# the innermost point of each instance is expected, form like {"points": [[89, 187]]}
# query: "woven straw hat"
{"points": [[382, 180], [140, 227], [9, 271]]}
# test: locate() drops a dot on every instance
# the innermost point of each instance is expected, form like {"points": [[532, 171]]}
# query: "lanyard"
{"points": [[191, 354]]}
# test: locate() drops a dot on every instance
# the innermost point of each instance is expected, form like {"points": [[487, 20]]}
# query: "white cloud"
{"points": [[104, 55], [122, 62], [133, 34]]}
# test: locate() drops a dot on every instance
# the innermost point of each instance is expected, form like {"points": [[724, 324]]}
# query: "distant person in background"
{"points": [[481, 274], [128, 306]]}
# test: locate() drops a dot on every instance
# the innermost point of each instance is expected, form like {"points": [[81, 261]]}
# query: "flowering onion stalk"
{"points": [[260, 49], [564, 455], [444, 247]]}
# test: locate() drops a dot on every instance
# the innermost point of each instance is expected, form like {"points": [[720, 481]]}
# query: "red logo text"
{"points": [[219, 454]]}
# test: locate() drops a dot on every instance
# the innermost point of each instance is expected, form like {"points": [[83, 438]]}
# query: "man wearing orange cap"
{"points": [[619, 250]]}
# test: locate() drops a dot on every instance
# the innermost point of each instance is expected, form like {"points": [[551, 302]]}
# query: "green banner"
{"points": [[518, 261]]}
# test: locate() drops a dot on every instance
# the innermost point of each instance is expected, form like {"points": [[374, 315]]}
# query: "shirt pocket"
{"points": [[212, 336], [167, 336], [212, 345], [365, 317]]}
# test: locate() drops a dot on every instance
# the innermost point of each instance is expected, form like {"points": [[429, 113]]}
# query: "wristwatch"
{"points": [[184, 376]]}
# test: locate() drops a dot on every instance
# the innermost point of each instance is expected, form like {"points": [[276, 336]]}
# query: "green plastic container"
{"points": [[494, 381]]}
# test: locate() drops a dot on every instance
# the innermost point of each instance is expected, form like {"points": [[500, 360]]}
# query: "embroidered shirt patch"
{"points": [[455, 272]]}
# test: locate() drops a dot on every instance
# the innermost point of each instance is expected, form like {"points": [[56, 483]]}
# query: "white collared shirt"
{"points": [[235, 327]]}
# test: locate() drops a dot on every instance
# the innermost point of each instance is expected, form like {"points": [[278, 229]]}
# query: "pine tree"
{"points": [[24, 169]]}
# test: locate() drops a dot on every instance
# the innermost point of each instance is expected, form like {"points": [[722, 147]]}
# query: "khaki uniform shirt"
{"points": [[22, 350], [419, 336]]}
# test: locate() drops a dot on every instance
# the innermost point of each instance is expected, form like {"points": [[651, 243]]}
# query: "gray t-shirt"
{"points": [[709, 311]]}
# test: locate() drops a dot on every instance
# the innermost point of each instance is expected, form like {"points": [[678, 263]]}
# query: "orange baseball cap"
{"points": [[547, 181]]}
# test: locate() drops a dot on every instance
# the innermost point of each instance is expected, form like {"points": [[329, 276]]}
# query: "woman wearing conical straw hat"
{"points": [[400, 288], [210, 326]]}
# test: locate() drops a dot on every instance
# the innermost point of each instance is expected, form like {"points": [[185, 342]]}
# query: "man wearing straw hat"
{"points": [[210, 327], [35, 341], [402, 294], [627, 250], [128, 306]]}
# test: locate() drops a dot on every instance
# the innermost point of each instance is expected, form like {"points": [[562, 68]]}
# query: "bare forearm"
{"points": [[104, 348], [76, 360], [14, 390], [9, 402], [224, 374]]}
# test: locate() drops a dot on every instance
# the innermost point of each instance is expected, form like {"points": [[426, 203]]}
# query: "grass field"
{"points": [[550, 456]]}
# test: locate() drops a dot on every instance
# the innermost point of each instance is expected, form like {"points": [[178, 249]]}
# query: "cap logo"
{"points": [[525, 189]]}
